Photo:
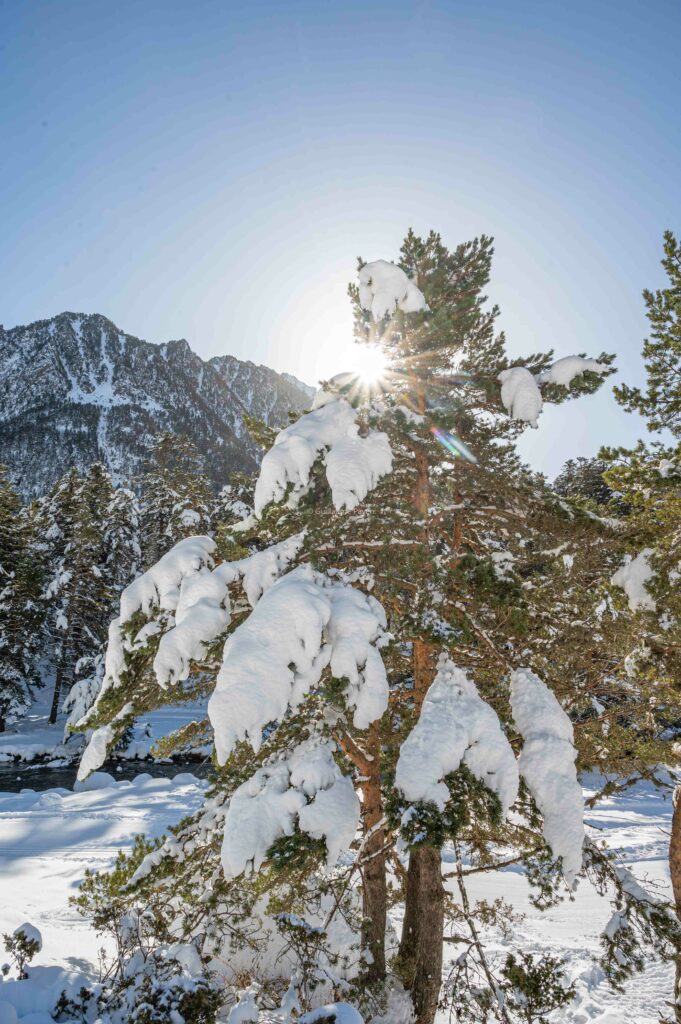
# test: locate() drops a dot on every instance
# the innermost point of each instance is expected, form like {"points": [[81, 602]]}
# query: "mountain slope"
{"points": [[75, 389]]}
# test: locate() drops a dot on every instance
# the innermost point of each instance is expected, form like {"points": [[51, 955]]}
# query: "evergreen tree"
{"points": [[660, 403], [176, 498], [649, 478], [91, 548], [583, 478], [20, 610], [400, 570]]}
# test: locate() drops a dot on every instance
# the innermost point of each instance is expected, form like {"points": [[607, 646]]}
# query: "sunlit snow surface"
{"points": [[48, 839]]}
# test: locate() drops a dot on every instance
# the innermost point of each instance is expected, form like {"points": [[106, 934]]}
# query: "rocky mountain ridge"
{"points": [[75, 389]]}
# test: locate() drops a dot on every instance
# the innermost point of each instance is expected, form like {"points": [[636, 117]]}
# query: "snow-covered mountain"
{"points": [[75, 389]]}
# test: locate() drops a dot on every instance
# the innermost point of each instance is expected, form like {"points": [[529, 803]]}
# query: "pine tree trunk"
{"points": [[421, 942], [58, 681], [374, 891], [675, 871], [422, 937], [430, 911]]}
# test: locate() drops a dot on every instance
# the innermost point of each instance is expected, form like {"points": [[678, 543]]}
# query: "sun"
{"points": [[369, 363]]}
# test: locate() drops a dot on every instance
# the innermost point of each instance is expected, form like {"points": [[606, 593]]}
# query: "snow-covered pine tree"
{"points": [[484, 578], [645, 595], [89, 545], [20, 609], [176, 497]]}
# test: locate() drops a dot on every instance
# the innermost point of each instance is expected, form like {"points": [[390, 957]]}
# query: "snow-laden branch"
{"points": [[632, 578], [203, 608], [159, 586], [547, 764], [354, 464], [456, 726], [564, 370], [302, 624], [194, 599], [306, 788], [520, 389], [384, 287]]}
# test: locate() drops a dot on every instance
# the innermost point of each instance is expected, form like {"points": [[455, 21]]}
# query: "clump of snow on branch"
{"points": [[30, 933], [456, 726], [338, 1013], [384, 287], [196, 598], [632, 578], [302, 624], [564, 370], [159, 587], [547, 764], [203, 607], [354, 464], [520, 395], [94, 755], [306, 788]]}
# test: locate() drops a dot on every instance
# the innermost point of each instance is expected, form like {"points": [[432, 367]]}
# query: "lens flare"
{"points": [[454, 445]]}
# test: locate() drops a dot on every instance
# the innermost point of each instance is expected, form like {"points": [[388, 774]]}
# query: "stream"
{"points": [[22, 775]]}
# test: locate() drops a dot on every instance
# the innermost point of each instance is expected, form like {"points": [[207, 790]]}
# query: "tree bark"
{"points": [[675, 872], [421, 945], [421, 942], [58, 680], [423, 929], [374, 889]]}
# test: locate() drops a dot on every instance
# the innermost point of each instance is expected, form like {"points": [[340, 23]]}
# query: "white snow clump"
{"points": [[307, 786], [302, 624], [160, 585], [666, 467], [339, 1013], [547, 764], [203, 607], [632, 578], [30, 933], [564, 370], [456, 725], [384, 287], [94, 755], [354, 464], [520, 395]]}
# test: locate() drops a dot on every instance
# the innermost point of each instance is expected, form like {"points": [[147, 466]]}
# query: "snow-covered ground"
{"points": [[635, 825], [48, 839]]}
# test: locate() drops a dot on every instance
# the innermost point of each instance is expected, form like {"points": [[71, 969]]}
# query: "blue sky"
{"points": [[211, 170]]}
